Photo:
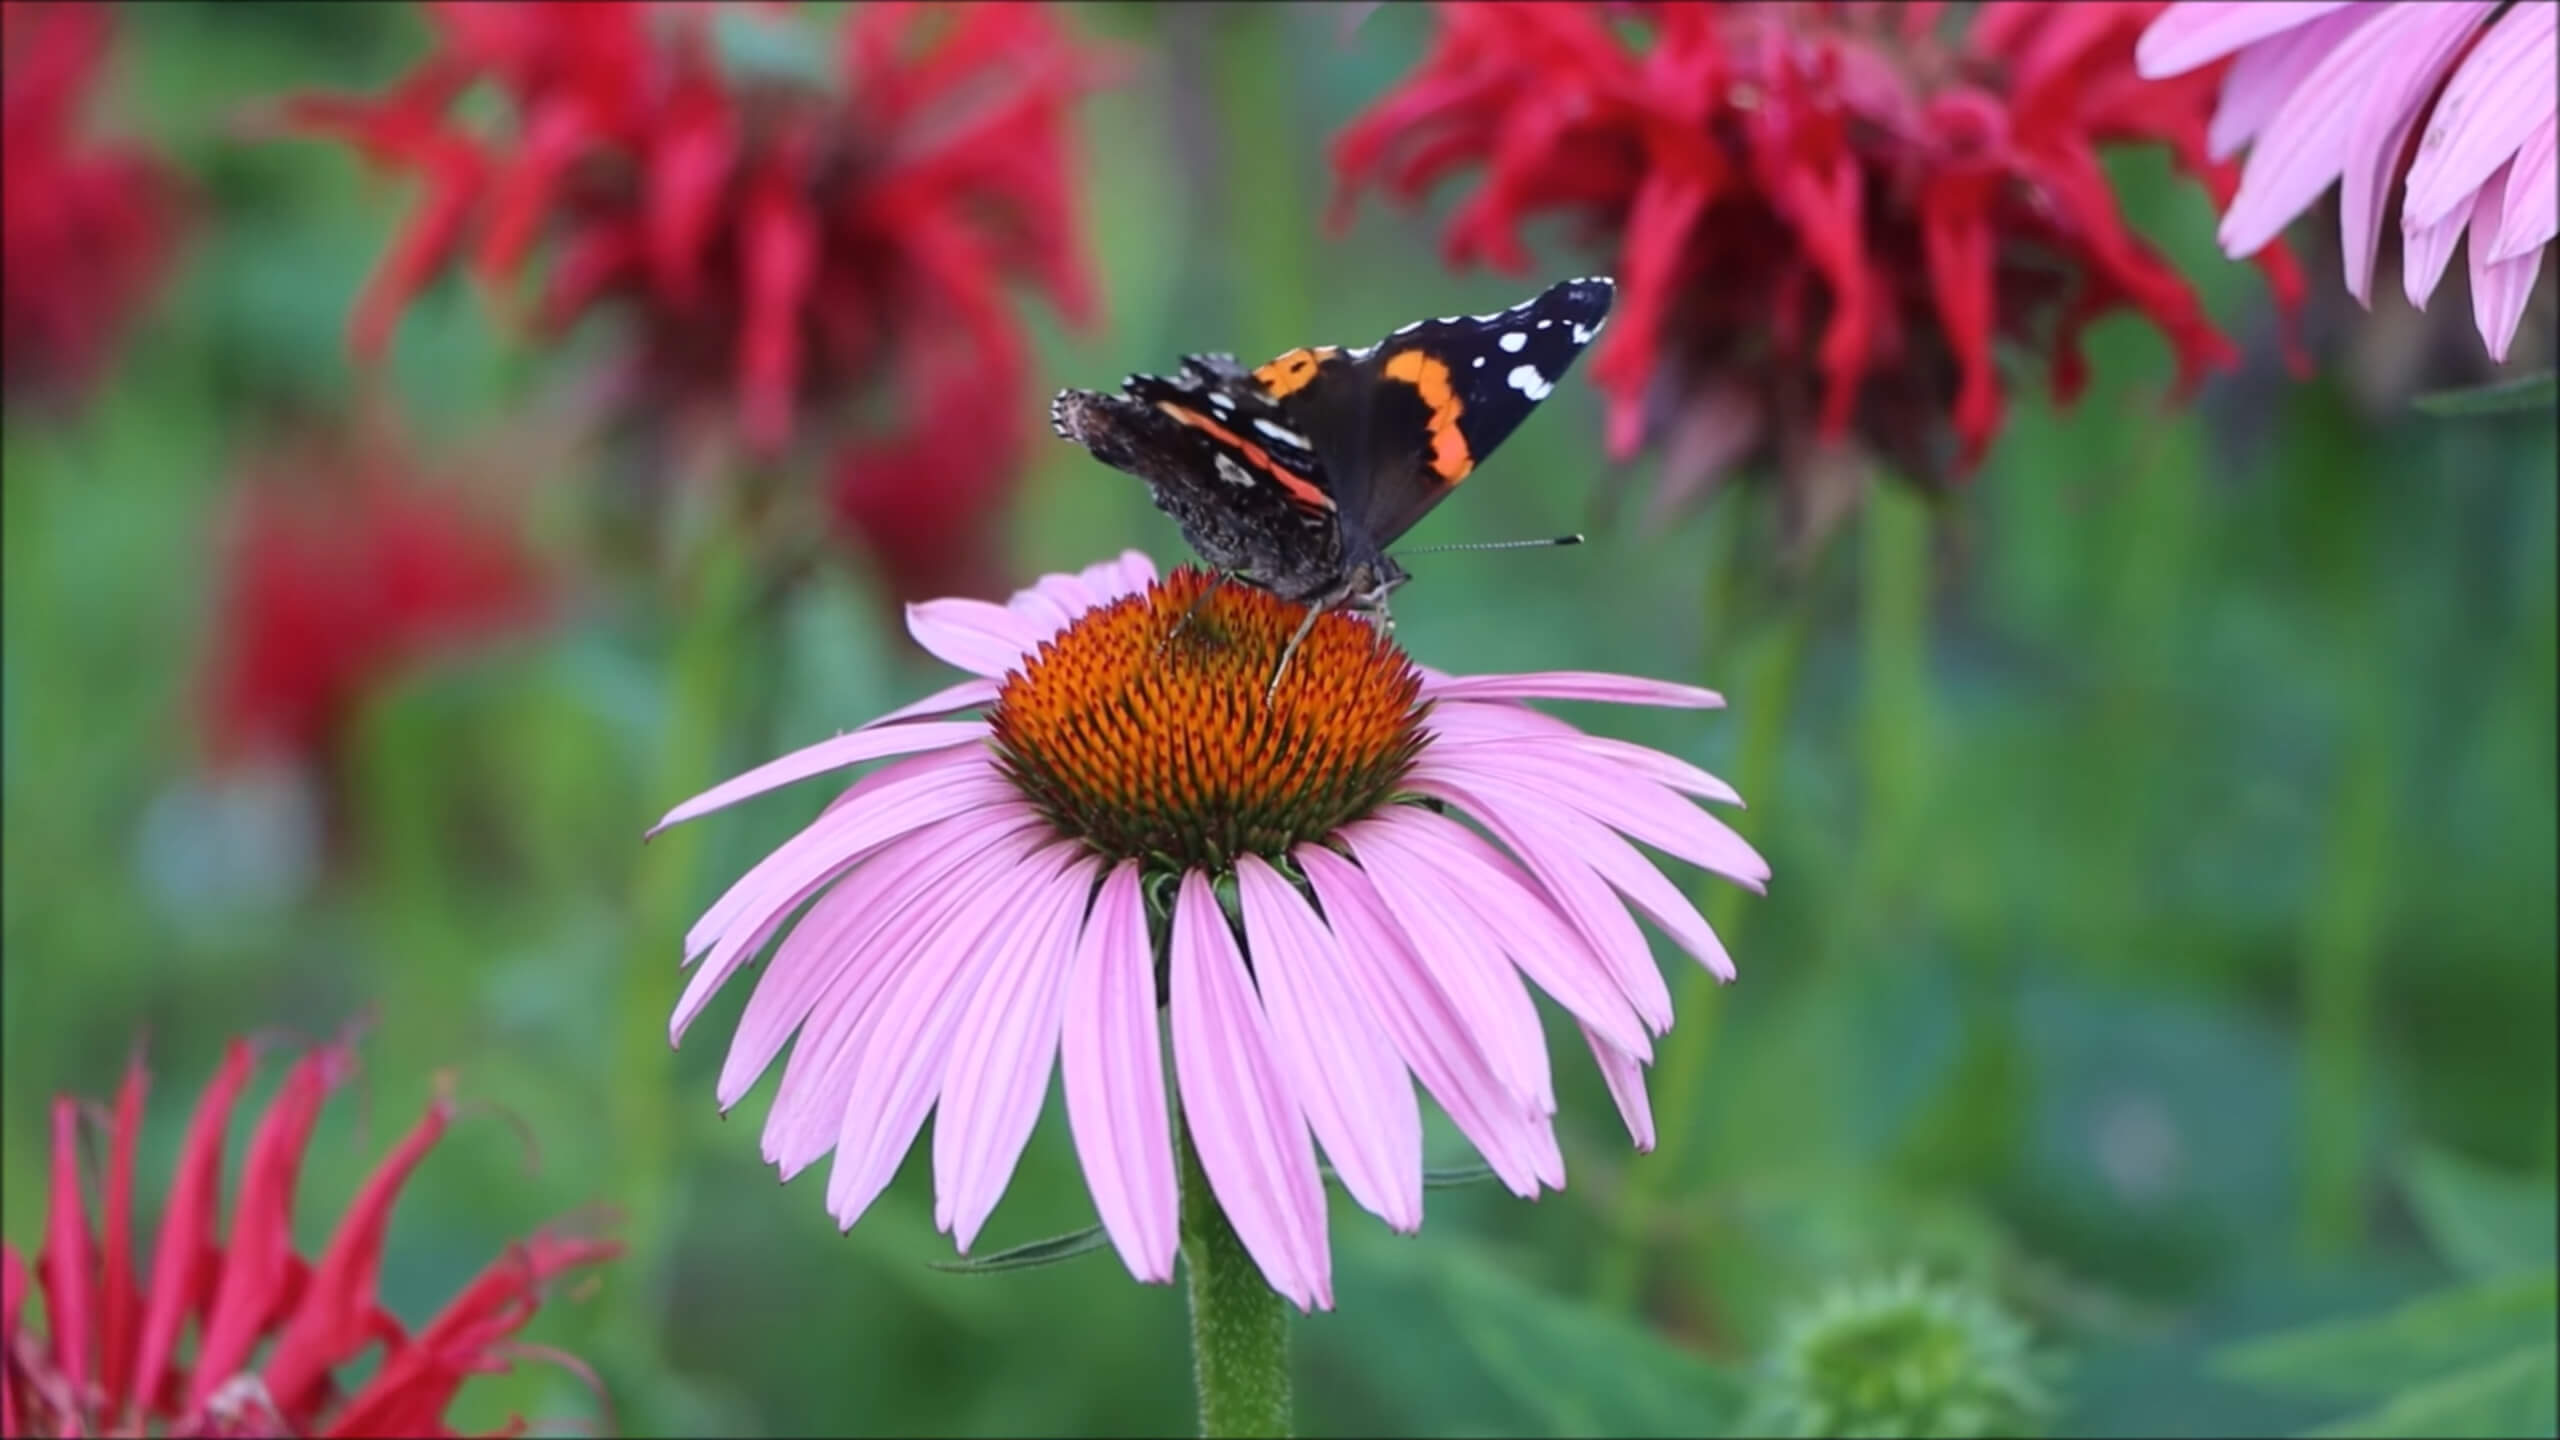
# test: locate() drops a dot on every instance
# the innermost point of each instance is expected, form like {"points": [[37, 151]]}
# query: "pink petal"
{"points": [[906, 1043], [1570, 685], [837, 936], [2379, 138], [2268, 71], [2507, 87], [967, 695], [1127, 575], [1632, 804], [809, 1105], [2424, 251], [1343, 1069], [2532, 199], [760, 919], [1625, 1078], [2307, 144], [1503, 908], [1495, 726], [896, 799], [1001, 1057], [826, 755], [1251, 1137], [1483, 989], [1112, 1060], [1395, 989], [978, 636], [2499, 288], [1582, 896], [2195, 33], [1628, 872]]}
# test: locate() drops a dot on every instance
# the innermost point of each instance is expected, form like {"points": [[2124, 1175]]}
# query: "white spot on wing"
{"points": [[1515, 342], [1281, 433], [1527, 380], [1582, 334], [1222, 400], [1479, 362], [1546, 324], [1409, 327], [1231, 472]]}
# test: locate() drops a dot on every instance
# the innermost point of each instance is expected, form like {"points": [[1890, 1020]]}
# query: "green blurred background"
{"points": [[2162, 938]]}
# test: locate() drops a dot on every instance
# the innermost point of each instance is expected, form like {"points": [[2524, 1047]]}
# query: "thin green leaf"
{"points": [[2506, 397], [1024, 1257], [2420, 1342], [1456, 1176], [2483, 1222], [2511, 1395], [1452, 1178]]}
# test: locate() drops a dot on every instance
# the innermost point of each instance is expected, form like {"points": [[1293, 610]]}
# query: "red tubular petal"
{"points": [[409, 1394], [522, 191], [179, 1279], [329, 1326], [120, 1327], [688, 176], [13, 1295], [257, 1264], [66, 1270], [781, 240], [432, 234]]}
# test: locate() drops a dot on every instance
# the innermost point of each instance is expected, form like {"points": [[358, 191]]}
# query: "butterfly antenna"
{"points": [[1548, 543]]}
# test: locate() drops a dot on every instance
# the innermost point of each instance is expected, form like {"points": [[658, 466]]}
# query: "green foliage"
{"points": [[2163, 831], [2476, 1358], [2505, 397]]}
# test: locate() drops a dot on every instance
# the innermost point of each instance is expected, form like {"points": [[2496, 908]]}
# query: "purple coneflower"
{"points": [[2456, 102], [995, 900]]}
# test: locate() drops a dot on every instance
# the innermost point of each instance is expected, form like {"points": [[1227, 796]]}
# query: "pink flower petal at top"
{"points": [[977, 912], [2199, 32], [2341, 94], [2307, 145], [2507, 88]]}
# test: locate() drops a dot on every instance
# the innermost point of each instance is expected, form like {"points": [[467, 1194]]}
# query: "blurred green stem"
{"points": [[1764, 678], [1267, 220], [645, 1125], [2339, 960], [1239, 1324]]}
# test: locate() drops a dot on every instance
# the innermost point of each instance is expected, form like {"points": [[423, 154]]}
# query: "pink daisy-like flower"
{"points": [[993, 902], [2456, 103]]}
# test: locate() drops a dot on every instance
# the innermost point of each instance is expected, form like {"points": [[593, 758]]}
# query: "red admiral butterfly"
{"points": [[1296, 475]]}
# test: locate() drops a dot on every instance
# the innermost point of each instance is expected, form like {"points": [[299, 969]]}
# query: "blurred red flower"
{"points": [[271, 1327], [790, 236], [1826, 214], [344, 564], [85, 227]]}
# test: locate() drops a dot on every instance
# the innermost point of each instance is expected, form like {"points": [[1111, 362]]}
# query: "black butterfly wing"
{"points": [[1218, 456], [1415, 414]]}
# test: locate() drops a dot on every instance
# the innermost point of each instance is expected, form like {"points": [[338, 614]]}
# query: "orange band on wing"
{"points": [[1449, 457], [1298, 486], [1290, 373]]}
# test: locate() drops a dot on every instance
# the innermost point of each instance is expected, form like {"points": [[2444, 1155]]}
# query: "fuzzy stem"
{"points": [[1239, 1324]]}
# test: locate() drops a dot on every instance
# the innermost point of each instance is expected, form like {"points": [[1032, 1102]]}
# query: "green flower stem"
{"points": [[1762, 682], [1239, 1324], [643, 1119]]}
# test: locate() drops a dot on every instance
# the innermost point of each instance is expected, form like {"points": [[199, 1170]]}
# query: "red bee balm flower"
{"points": [[84, 227], [344, 566], [781, 234], [271, 1328], [1826, 213]]}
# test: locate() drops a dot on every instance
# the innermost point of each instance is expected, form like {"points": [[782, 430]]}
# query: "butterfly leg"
{"points": [[1314, 613], [1183, 622]]}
